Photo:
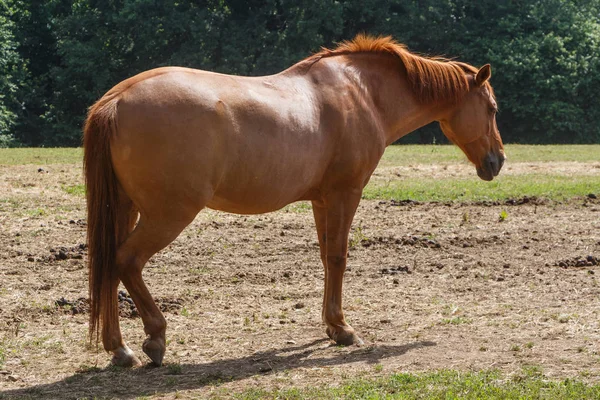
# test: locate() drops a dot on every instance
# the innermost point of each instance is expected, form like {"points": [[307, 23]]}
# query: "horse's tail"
{"points": [[102, 211]]}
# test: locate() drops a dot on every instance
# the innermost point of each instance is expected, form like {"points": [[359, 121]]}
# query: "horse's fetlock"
{"points": [[334, 317], [156, 327]]}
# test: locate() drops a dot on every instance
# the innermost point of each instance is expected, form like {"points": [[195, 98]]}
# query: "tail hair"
{"points": [[102, 192]]}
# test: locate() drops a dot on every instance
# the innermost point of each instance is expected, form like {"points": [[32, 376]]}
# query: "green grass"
{"points": [[2, 354], [456, 321], [550, 186], [553, 187], [394, 155], [529, 384], [36, 212], [41, 156], [299, 207], [447, 154], [75, 190]]}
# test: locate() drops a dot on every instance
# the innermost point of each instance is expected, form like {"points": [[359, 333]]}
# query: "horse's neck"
{"points": [[409, 116], [397, 107]]}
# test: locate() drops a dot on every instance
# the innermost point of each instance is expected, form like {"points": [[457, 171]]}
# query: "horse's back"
{"points": [[233, 143]]}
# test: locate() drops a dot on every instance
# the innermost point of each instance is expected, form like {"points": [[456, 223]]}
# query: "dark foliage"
{"points": [[57, 57]]}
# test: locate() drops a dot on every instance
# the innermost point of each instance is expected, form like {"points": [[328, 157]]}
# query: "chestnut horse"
{"points": [[169, 142]]}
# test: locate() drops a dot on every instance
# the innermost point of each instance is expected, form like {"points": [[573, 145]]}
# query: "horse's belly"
{"points": [[238, 208], [255, 201]]}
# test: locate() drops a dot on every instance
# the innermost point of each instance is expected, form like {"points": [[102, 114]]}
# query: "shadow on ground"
{"points": [[120, 383]]}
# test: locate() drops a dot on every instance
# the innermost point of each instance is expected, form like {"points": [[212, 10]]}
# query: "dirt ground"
{"points": [[429, 286]]}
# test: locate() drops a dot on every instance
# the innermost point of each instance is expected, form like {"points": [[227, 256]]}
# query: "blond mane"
{"points": [[432, 80]]}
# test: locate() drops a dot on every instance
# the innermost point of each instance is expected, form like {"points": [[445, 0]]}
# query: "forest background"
{"points": [[57, 57]]}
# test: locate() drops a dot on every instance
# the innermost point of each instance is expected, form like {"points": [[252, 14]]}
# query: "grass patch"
{"points": [[174, 369], [9, 204], [75, 190], [449, 154], [456, 321], [36, 212], [299, 207], [394, 155], [529, 384], [553, 187], [41, 156], [2, 354]]}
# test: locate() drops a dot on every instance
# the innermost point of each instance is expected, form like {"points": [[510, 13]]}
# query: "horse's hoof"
{"points": [[124, 357], [155, 349], [344, 336]]}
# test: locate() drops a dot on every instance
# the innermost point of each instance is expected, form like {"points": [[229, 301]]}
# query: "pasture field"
{"points": [[460, 288]]}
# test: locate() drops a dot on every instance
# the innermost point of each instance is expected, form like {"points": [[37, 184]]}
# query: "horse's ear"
{"points": [[483, 74]]}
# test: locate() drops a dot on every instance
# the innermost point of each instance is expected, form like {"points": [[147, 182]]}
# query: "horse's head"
{"points": [[471, 125]]}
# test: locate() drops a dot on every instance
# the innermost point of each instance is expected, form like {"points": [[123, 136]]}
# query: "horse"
{"points": [[166, 143]]}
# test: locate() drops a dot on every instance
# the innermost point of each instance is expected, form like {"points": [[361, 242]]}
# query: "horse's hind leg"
{"points": [[111, 332], [150, 236]]}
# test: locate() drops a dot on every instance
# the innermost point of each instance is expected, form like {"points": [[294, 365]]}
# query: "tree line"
{"points": [[57, 57]]}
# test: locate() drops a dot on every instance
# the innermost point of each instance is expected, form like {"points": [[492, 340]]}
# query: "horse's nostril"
{"points": [[494, 163]]}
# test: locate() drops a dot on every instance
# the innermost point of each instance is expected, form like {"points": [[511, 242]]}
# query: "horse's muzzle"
{"points": [[491, 166]]}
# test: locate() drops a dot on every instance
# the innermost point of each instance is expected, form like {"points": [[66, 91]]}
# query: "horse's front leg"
{"points": [[336, 213]]}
